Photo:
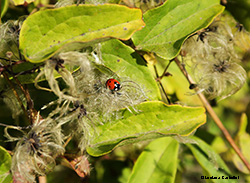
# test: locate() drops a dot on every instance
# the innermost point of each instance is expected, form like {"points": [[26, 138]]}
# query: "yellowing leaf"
{"points": [[45, 32], [21, 2]]}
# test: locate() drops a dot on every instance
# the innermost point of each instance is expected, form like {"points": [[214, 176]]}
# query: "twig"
{"points": [[42, 179], [165, 70], [30, 71], [30, 104], [214, 117], [159, 81]]}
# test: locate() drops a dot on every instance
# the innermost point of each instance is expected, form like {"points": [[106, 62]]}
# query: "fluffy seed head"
{"points": [[9, 37], [35, 153], [219, 78], [215, 61]]}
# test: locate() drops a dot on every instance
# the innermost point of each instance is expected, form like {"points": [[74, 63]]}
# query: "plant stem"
{"points": [[159, 81], [214, 116], [30, 104], [42, 179], [165, 70]]}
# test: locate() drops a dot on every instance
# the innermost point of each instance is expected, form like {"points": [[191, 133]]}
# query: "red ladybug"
{"points": [[113, 85]]}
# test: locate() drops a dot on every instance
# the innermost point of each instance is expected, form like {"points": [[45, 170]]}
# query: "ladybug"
{"points": [[113, 85]]}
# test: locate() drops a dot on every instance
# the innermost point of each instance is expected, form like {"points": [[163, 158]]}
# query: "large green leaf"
{"points": [[5, 163], [169, 25], [45, 32], [211, 162], [154, 119], [157, 163], [128, 64]]}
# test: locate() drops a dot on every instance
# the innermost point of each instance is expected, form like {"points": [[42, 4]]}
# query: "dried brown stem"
{"points": [[42, 179], [30, 104], [214, 116]]}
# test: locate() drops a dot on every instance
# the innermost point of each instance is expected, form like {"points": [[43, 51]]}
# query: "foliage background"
{"points": [[117, 165]]}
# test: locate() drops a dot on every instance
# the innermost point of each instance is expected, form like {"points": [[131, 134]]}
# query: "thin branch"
{"points": [[159, 81], [214, 116], [30, 104], [42, 179], [30, 71], [165, 70]]}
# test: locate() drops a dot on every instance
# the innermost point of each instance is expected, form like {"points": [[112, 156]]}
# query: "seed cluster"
{"points": [[36, 151], [215, 60]]}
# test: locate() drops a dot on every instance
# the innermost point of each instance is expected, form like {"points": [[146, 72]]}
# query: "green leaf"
{"points": [[106, 1], [45, 32], [127, 63], [4, 7], [5, 164], [154, 119], [169, 25], [157, 163], [21, 2], [211, 162]]}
